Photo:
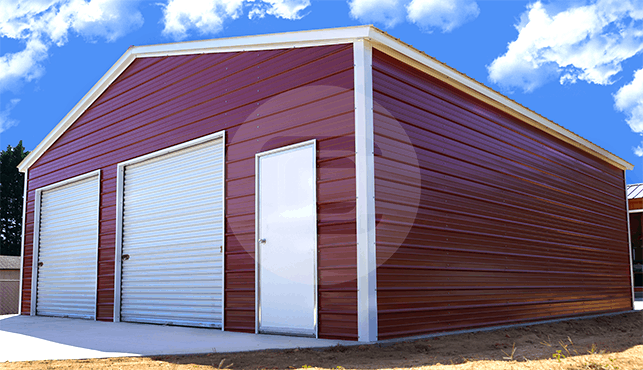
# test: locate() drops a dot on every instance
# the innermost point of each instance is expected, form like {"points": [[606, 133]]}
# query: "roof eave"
{"points": [[453, 77], [317, 38]]}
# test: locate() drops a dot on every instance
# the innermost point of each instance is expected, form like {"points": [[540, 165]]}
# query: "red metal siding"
{"points": [[264, 100], [483, 219]]}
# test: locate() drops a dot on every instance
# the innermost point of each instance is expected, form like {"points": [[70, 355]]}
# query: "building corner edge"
{"points": [[365, 192]]}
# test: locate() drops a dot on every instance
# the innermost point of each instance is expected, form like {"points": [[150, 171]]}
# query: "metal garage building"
{"points": [[333, 183]]}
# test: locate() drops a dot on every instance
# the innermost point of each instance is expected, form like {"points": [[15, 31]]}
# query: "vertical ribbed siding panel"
{"points": [[264, 100], [68, 233], [483, 219], [173, 238]]}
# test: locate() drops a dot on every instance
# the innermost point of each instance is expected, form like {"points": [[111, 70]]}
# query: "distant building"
{"points": [[9, 284], [635, 202]]}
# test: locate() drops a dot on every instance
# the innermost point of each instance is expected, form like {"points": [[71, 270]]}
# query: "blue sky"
{"points": [[578, 63]]}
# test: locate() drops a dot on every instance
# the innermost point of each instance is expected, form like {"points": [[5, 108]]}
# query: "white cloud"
{"points": [[40, 23], [629, 100], [426, 14], [209, 16], [587, 42], [287, 9], [5, 121], [206, 16], [23, 65], [445, 15], [387, 12], [638, 151]]}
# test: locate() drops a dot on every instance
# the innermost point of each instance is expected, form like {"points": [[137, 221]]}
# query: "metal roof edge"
{"points": [[317, 38], [258, 42], [451, 75]]}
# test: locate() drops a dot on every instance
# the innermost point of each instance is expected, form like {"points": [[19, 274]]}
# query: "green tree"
{"points": [[11, 191]]}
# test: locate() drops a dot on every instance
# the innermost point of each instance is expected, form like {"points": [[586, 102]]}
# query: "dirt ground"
{"points": [[610, 342]]}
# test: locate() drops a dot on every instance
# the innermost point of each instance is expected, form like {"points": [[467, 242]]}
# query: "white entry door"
{"points": [[287, 240]]}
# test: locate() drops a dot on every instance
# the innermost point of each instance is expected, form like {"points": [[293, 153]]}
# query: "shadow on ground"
{"points": [[566, 339]]}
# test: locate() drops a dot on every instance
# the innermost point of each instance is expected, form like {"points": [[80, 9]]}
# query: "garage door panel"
{"points": [[194, 261], [167, 162], [67, 249], [173, 235], [140, 197], [156, 221], [147, 173], [61, 235], [150, 181], [149, 209]]}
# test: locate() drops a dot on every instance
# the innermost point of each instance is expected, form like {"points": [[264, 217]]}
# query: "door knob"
{"points": [[125, 257], [262, 241]]}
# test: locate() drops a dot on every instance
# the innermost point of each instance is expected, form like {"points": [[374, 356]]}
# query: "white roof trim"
{"points": [[316, 38], [531, 117]]}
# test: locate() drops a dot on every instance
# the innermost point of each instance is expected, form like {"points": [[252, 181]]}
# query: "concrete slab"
{"points": [[29, 338], [638, 304]]}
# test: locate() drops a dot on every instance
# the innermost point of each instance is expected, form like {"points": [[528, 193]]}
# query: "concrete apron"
{"points": [[30, 338]]}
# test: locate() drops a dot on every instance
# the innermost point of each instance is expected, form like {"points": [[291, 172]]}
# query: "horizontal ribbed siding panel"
{"points": [[264, 100], [484, 220], [173, 235], [67, 250]]}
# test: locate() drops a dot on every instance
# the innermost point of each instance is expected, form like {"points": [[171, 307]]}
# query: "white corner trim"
{"points": [[629, 238], [365, 189], [98, 187], [118, 248], [386, 43], [223, 221], [22, 240], [36, 234]]}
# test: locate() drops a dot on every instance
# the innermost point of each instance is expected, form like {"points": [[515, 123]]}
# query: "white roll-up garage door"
{"points": [[172, 237], [67, 249]]}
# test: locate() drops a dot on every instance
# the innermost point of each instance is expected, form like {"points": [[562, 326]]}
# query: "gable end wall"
{"points": [[264, 100]]}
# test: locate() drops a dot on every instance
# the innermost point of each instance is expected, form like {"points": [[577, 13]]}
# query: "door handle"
{"points": [[125, 257], [262, 241], [40, 264]]}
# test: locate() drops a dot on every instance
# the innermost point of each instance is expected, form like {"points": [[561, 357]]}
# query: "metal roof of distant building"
{"points": [[634, 191], [9, 263]]}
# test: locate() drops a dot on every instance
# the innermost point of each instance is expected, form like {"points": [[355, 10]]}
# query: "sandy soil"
{"points": [[611, 342]]}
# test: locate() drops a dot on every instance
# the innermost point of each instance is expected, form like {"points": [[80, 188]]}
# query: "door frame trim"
{"points": [[312, 143], [119, 215], [36, 236]]}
